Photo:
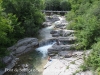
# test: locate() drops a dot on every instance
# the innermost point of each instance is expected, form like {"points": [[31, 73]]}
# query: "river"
{"points": [[35, 59]]}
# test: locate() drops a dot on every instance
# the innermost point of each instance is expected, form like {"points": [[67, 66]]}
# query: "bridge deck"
{"points": [[48, 11]]}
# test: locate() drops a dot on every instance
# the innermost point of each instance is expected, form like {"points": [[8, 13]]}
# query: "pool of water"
{"points": [[34, 59]]}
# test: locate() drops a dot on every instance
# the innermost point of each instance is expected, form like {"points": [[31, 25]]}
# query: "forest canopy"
{"points": [[57, 5]]}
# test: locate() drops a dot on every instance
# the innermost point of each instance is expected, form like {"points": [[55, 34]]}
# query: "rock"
{"points": [[57, 48], [47, 41], [7, 59], [25, 65], [63, 33], [2, 72], [67, 39], [8, 67], [54, 67], [66, 66], [64, 61], [52, 18], [27, 41], [53, 32], [20, 49], [46, 24], [52, 55], [62, 40], [55, 35], [65, 54], [60, 25], [23, 45], [67, 32]]}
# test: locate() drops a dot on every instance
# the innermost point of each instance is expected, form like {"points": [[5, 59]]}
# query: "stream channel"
{"points": [[37, 58]]}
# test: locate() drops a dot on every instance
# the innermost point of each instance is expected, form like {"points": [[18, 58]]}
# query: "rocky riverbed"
{"points": [[58, 43], [22, 46], [65, 60]]}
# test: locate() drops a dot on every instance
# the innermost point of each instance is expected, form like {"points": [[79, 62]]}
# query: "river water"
{"points": [[37, 58]]}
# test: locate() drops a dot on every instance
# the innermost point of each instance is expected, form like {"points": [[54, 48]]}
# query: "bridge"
{"points": [[50, 12]]}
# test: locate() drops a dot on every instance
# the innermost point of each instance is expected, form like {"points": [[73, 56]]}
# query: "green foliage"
{"points": [[87, 31], [18, 19], [28, 13], [77, 71], [70, 16], [84, 67], [5, 28], [65, 5], [93, 59], [85, 20], [57, 5], [2, 65], [18, 31], [9, 30], [52, 4]]}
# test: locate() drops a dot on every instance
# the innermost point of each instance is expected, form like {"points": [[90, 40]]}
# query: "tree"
{"points": [[28, 13], [52, 4], [65, 5]]}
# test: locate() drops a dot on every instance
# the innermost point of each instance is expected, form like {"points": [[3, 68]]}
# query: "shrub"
{"points": [[93, 59]]}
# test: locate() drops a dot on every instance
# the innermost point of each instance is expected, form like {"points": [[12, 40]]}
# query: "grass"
{"points": [[73, 62], [67, 67]]}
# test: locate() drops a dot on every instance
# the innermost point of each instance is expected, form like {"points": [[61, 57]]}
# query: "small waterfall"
{"points": [[45, 32], [44, 49]]}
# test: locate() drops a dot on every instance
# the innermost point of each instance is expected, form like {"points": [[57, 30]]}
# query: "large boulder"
{"points": [[7, 59], [52, 18], [55, 35], [20, 49], [62, 32], [53, 32], [55, 49], [65, 54], [67, 66], [46, 24], [23, 45], [66, 33]]}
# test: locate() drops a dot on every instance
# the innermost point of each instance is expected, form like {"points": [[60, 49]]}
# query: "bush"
{"points": [[28, 13], [65, 5], [52, 4], [86, 25], [2, 65], [85, 20], [93, 59]]}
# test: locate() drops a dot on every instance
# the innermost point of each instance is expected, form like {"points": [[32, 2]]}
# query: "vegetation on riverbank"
{"points": [[18, 19], [57, 5], [85, 19]]}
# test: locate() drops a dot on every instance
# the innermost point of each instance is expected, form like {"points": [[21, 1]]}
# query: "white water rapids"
{"points": [[44, 49]]}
